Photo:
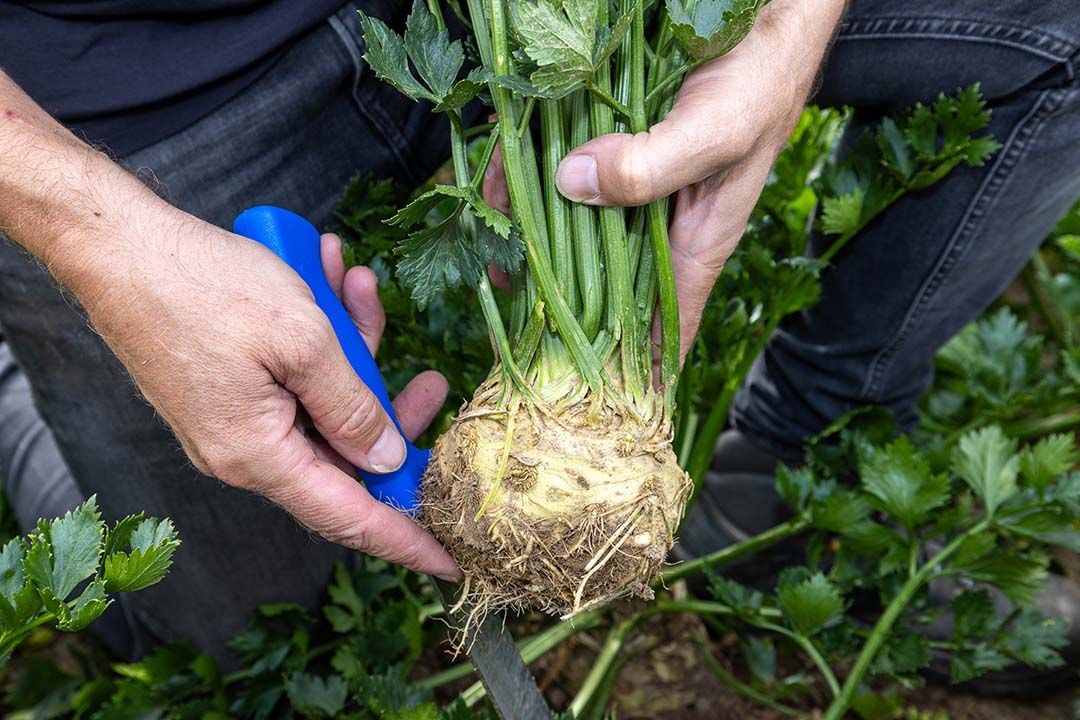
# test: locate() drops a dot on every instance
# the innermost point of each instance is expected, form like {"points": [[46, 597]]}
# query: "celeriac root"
{"points": [[559, 514]]}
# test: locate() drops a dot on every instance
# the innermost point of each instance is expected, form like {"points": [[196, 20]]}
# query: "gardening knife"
{"points": [[293, 239]]}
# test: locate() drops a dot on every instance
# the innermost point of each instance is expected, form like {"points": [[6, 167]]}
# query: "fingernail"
{"points": [[449, 578], [388, 452], [577, 178]]}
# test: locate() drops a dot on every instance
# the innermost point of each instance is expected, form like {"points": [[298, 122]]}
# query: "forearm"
{"points": [[63, 201]]}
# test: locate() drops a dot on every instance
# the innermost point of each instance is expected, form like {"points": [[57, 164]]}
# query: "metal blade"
{"points": [[503, 672]]}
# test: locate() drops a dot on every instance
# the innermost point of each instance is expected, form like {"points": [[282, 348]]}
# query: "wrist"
{"points": [[801, 31], [795, 37]]}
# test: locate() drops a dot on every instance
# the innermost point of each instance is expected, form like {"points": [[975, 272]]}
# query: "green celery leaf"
{"points": [[896, 557], [1020, 577], [437, 60], [738, 597], [563, 39], [559, 36], [416, 211], [843, 214], [447, 255], [840, 512], [464, 90], [86, 609], [153, 544], [970, 663], [1048, 525], [894, 148], [119, 536], [871, 537], [1034, 639], [1046, 460], [810, 604], [315, 696], [904, 655], [458, 710], [385, 54], [19, 600], [609, 39], [902, 483], [434, 259], [506, 252], [974, 617], [795, 486], [521, 86], [12, 579], [987, 461], [65, 551], [710, 28], [760, 654], [348, 664]]}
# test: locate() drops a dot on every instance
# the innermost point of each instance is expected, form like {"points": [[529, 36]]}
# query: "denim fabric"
{"points": [[294, 139], [935, 260]]}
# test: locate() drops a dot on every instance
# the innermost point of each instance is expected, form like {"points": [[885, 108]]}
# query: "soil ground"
{"points": [[665, 678]]}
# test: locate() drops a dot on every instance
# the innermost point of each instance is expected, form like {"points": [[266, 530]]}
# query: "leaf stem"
{"points": [[1036, 278], [739, 686], [558, 207], [892, 613], [759, 542], [807, 645], [488, 305], [523, 196], [609, 652], [583, 225], [670, 79], [605, 96], [489, 150]]}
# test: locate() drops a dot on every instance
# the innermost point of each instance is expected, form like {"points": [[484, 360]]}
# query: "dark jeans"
{"points": [[922, 271]]}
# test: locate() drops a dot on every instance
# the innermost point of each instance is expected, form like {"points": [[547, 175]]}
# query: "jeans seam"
{"points": [[382, 123], [1014, 151], [1056, 48]]}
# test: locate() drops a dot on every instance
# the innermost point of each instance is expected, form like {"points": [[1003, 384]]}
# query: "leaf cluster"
{"points": [[903, 154], [63, 572], [984, 521], [353, 661]]}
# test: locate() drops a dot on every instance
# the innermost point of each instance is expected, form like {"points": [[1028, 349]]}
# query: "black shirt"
{"points": [[126, 73]]}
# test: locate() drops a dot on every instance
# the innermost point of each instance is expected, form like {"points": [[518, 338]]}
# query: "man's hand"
{"points": [[714, 149], [221, 336], [228, 345]]}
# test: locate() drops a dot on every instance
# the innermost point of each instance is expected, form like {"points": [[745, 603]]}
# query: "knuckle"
{"points": [[358, 533], [362, 420], [299, 339], [411, 556], [634, 176]]}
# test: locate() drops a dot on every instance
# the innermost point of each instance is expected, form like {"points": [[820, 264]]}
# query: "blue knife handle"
{"points": [[296, 241]]}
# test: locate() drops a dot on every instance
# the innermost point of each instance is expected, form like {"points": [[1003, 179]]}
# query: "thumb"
{"points": [[635, 169], [344, 411]]}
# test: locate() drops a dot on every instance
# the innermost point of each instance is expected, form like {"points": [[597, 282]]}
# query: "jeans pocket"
{"points": [[406, 127], [892, 54]]}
